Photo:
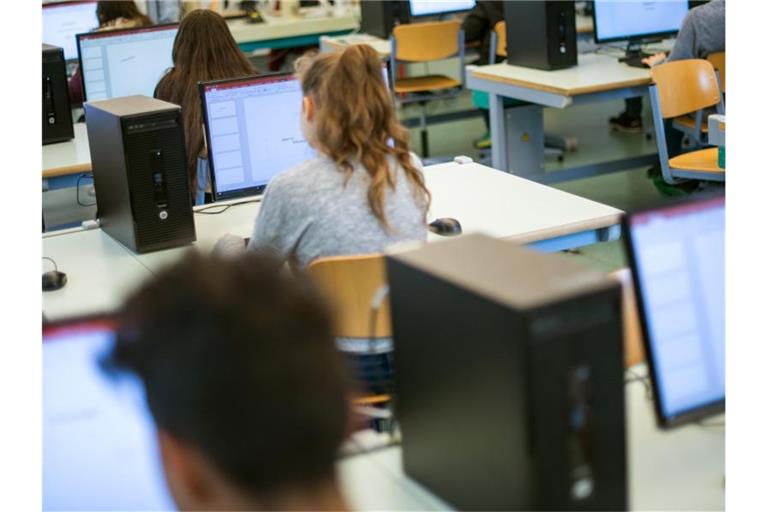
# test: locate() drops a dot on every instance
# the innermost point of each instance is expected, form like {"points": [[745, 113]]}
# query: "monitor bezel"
{"points": [[113, 33], [412, 16], [704, 410], [202, 87], [634, 38], [68, 3]]}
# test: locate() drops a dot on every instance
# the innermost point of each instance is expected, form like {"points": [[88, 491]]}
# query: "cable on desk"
{"points": [[55, 266], [645, 380], [77, 189], [223, 207]]}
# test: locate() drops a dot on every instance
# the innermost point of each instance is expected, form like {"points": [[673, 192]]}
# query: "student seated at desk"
{"points": [[364, 191], [112, 15], [203, 50], [249, 395], [702, 33]]}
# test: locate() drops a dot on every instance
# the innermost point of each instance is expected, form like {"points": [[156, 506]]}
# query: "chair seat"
{"points": [[703, 160], [425, 83], [690, 123]]}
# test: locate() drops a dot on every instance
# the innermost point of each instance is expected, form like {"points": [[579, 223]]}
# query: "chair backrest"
{"points": [[717, 60], [685, 86], [350, 282], [501, 39], [423, 42]]}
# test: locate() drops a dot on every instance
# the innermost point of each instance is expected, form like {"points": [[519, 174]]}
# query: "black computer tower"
{"points": [[379, 18], [508, 377], [140, 172], [541, 35], [57, 114]]}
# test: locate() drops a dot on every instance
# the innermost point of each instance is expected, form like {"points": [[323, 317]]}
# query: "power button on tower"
{"points": [[163, 214]]}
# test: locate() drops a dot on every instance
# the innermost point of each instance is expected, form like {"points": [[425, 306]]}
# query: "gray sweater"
{"points": [[702, 32], [309, 212]]}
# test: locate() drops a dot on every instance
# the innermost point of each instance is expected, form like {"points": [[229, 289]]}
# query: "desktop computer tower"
{"points": [[140, 172], [509, 378], [379, 18], [57, 114], [541, 35]]}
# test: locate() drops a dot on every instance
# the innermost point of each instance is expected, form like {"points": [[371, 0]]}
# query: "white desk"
{"points": [[681, 469], [67, 158], [335, 43], [481, 198], [596, 78], [100, 273], [282, 32]]}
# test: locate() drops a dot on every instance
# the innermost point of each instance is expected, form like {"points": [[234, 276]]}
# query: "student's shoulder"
{"points": [[297, 177]]}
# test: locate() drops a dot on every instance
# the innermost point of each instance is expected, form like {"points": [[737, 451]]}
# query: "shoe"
{"points": [[682, 189], [483, 142], [626, 123]]}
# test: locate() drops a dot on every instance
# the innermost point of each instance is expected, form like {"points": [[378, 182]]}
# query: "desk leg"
{"points": [[525, 140], [498, 132]]}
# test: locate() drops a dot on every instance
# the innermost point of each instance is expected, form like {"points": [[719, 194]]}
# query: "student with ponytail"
{"points": [[365, 190]]}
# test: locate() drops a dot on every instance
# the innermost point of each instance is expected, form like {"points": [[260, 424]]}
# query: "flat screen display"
{"points": [[678, 261], [63, 21], [125, 62], [637, 19], [99, 443]]}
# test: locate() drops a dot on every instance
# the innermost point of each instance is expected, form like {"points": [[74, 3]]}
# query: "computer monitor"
{"points": [[677, 255], [637, 19], [253, 131], [418, 8], [62, 21], [125, 62], [99, 441]]}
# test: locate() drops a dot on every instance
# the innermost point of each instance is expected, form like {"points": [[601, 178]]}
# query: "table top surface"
{"points": [[382, 46], [278, 27], [482, 199], [594, 73], [680, 469], [71, 157]]}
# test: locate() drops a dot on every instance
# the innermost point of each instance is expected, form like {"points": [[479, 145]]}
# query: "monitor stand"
{"points": [[634, 55]]}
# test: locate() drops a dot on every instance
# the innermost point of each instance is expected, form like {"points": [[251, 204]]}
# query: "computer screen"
{"points": [[637, 19], [125, 62], [678, 262], [436, 7], [99, 443], [63, 21], [253, 130]]}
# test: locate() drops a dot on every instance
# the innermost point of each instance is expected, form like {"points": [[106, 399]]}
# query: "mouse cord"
{"points": [[55, 266]]}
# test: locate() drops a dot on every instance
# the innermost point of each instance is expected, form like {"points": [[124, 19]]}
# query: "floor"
{"points": [[625, 190]]}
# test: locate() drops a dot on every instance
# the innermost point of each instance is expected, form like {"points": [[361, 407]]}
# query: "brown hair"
{"points": [[109, 11], [355, 120], [204, 49]]}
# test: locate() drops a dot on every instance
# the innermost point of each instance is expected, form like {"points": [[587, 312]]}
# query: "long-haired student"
{"points": [[204, 50], [365, 189]]}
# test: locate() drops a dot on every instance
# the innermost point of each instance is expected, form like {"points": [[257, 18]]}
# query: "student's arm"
{"points": [[685, 44]]}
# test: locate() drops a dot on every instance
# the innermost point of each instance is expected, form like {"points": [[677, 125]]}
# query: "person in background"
{"points": [[477, 26], [364, 191], [241, 376], [702, 33], [203, 50], [112, 15]]}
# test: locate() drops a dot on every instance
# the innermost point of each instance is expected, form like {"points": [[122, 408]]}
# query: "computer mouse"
{"points": [[445, 226], [54, 280]]}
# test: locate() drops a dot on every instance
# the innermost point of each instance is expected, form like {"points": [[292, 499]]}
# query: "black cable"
{"points": [[77, 190], [223, 207], [55, 266]]}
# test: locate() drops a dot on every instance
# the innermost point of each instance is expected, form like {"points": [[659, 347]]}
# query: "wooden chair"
{"points": [[678, 88], [351, 284], [696, 126], [422, 43]]}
